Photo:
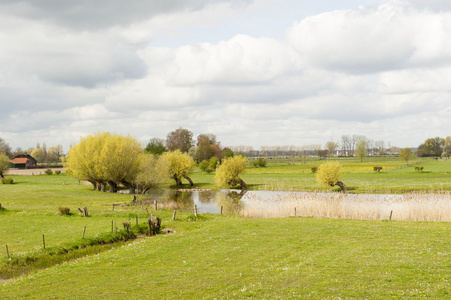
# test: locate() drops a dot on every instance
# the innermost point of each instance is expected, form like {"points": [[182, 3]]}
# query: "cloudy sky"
{"points": [[253, 72]]}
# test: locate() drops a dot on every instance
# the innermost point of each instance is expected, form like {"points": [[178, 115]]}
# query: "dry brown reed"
{"points": [[407, 207]]}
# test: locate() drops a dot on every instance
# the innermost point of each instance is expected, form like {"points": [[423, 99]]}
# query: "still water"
{"points": [[232, 201]]}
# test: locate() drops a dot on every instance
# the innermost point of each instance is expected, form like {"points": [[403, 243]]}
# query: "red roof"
{"points": [[19, 160]]}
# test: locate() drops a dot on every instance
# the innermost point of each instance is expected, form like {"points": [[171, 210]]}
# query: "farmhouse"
{"points": [[23, 161]]}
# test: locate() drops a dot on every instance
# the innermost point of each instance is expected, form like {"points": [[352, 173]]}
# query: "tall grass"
{"points": [[407, 207]]}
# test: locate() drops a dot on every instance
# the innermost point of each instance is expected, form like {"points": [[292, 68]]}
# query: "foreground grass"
{"points": [[232, 258]]}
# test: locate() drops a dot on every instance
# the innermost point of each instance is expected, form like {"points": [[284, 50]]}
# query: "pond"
{"points": [[233, 201]]}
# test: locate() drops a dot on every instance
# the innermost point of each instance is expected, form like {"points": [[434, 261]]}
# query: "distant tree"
{"points": [[323, 153], [207, 146], [330, 174], [447, 148], [406, 154], [226, 153], [155, 146], [361, 150], [4, 164], [380, 147], [433, 146], [231, 171], [5, 148], [180, 166], [153, 172], [38, 154], [179, 139], [54, 153], [331, 147]]}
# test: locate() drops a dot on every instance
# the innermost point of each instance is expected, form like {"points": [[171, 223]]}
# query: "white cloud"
{"points": [[375, 70]]}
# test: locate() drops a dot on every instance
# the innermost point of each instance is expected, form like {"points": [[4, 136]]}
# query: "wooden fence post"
{"points": [[222, 207], [173, 215], [391, 213], [43, 241], [84, 230], [136, 220], [295, 211], [111, 225], [195, 210], [7, 251], [155, 204]]}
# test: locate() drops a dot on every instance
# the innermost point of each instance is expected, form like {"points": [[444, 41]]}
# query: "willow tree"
{"points": [[83, 159], [154, 172], [119, 161], [4, 164], [180, 166], [330, 174], [104, 157], [231, 170]]}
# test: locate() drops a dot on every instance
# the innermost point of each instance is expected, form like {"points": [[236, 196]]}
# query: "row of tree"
{"points": [[437, 146], [106, 159]]}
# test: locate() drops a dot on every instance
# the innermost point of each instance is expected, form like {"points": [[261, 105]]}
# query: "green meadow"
{"points": [[360, 177], [222, 256]]}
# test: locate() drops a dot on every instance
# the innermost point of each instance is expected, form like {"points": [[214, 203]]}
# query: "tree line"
{"points": [[108, 160]]}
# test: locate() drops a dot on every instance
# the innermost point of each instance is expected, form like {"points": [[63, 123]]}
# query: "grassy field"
{"points": [[225, 257], [359, 177]]}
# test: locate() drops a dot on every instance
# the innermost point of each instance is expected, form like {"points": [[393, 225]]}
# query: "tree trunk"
{"points": [[145, 190], [342, 186], [130, 186], [178, 181], [243, 185], [113, 186], [94, 185], [191, 183], [101, 186]]}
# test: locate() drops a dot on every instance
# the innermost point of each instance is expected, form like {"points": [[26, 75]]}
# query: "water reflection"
{"points": [[207, 201], [233, 201]]}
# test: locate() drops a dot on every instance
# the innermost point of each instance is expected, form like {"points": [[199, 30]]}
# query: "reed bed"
{"points": [[407, 207]]}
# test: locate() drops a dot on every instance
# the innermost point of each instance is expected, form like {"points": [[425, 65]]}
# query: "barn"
{"points": [[23, 161]]}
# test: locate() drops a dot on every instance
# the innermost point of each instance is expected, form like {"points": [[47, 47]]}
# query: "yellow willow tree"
{"points": [[119, 161], [230, 171], [154, 172], [105, 157], [180, 166], [82, 161], [330, 174]]}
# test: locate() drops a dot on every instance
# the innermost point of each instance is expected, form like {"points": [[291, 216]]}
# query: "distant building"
{"points": [[23, 161]]}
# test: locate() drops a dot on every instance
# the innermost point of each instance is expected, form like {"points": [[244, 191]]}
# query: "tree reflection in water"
{"points": [[231, 202]]}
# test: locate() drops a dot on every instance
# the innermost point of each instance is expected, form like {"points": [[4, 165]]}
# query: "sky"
{"points": [[252, 72]]}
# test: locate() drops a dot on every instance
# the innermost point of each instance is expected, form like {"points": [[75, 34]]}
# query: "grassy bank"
{"points": [[231, 258]]}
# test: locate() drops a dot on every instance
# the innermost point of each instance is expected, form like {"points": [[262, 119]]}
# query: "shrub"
{"points": [[259, 162], [203, 165], [7, 181], [377, 169], [65, 211], [314, 169], [57, 172], [49, 171], [419, 169], [213, 163]]}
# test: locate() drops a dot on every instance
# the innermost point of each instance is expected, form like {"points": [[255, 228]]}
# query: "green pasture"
{"points": [[360, 177]]}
